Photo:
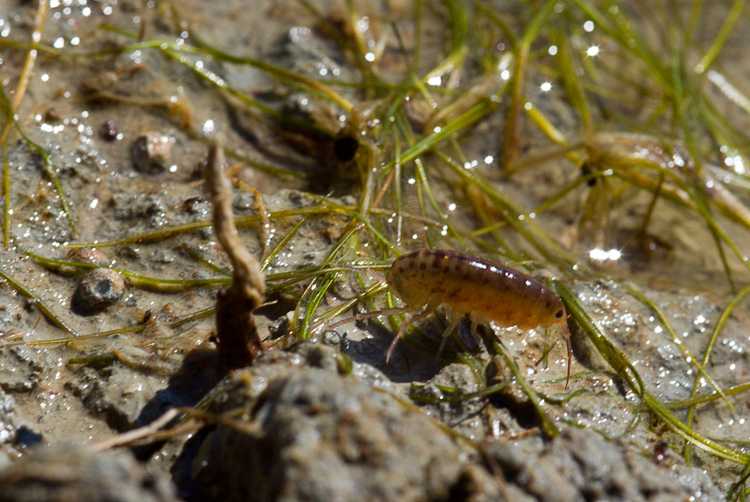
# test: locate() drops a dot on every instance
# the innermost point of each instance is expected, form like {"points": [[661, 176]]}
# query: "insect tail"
{"points": [[396, 339]]}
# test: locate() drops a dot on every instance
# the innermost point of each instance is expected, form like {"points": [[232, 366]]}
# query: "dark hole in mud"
{"points": [[345, 148], [587, 169]]}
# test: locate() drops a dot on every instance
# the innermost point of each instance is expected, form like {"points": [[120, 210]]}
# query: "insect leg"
{"points": [[434, 303], [446, 333]]}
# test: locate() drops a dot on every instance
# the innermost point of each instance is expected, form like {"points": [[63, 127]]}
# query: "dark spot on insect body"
{"points": [[455, 296]]}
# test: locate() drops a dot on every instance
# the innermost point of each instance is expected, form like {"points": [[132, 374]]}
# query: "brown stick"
{"points": [[238, 340], [136, 434]]}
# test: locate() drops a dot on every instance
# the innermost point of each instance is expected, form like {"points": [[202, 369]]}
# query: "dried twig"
{"points": [[238, 340], [137, 434]]}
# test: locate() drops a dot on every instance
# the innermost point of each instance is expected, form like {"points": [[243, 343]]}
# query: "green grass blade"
{"points": [[41, 305]]}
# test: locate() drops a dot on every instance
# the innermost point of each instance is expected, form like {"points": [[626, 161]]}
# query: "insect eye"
{"points": [[559, 314]]}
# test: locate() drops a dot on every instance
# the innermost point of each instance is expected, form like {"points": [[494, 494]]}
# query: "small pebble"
{"points": [[192, 204], [108, 131], [151, 152], [88, 255], [279, 327], [52, 115], [97, 290]]}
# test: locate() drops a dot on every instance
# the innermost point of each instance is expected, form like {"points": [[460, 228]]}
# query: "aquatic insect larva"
{"points": [[643, 160], [488, 291], [625, 152]]}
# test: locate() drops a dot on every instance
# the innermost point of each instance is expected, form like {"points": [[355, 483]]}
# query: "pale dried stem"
{"points": [[237, 336], [245, 268], [137, 434], [28, 65]]}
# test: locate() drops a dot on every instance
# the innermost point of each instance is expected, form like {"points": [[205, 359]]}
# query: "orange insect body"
{"points": [[470, 284], [487, 290]]}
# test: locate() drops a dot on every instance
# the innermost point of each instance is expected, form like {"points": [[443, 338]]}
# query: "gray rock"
{"points": [[21, 369], [116, 393], [66, 473], [151, 152], [314, 436], [581, 465], [8, 418], [98, 289], [14, 429]]}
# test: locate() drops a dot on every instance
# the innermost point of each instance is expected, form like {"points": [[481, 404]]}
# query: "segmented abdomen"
{"points": [[470, 284]]}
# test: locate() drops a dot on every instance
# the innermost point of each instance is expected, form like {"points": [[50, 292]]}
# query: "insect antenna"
{"points": [[368, 315], [372, 273], [566, 333], [365, 315]]}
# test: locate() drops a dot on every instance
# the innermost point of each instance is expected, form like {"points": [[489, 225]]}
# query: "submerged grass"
{"points": [[419, 156]]}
